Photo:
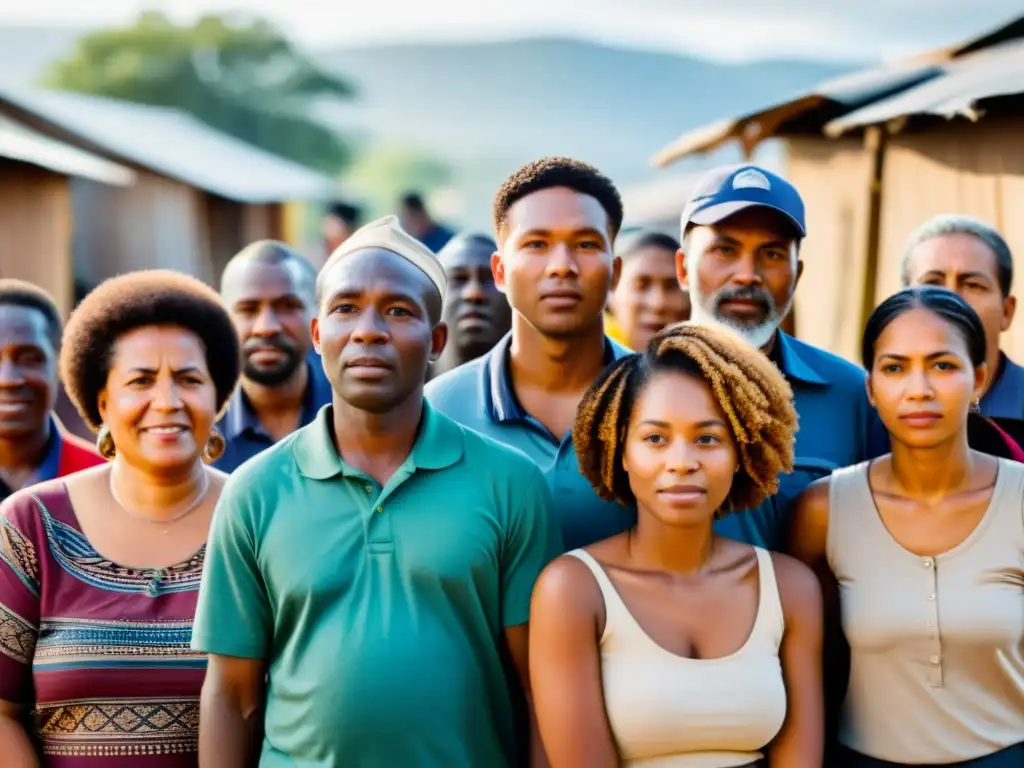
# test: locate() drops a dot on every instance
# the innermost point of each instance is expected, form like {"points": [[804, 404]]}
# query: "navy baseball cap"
{"points": [[726, 190]]}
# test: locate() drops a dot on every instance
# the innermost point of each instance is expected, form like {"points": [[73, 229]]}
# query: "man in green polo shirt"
{"points": [[367, 576]]}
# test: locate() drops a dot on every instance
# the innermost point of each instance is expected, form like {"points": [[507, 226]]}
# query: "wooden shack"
{"points": [[198, 195], [36, 209], [876, 153]]}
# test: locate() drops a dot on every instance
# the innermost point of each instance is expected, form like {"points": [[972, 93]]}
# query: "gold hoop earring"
{"points": [[214, 447], [105, 443]]}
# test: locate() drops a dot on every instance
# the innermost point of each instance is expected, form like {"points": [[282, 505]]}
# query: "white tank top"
{"points": [[667, 711]]}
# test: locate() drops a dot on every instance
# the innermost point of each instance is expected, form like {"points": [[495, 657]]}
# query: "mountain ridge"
{"points": [[485, 107]]}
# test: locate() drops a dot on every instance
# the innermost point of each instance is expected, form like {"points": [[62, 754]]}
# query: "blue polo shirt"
{"points": [[437, 238], [48, 468], [838, 427], [1005, 398], [245, 437], [479, 395]]}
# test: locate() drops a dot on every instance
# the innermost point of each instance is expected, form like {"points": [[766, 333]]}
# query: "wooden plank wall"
{"points": [[961, 167], [157, 223], [35, 230], [834, 179]]}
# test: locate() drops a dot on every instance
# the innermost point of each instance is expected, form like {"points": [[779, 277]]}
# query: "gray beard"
{"points": [[702, 310], [757, 335]]}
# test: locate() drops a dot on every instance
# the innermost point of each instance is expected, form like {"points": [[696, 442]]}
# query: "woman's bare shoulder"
{"points": [[799, 587]]}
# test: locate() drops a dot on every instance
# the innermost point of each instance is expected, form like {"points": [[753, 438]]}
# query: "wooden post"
{"points": [[874, 142]]}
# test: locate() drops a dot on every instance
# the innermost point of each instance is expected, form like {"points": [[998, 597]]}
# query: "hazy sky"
{"points": [[723, 29]]}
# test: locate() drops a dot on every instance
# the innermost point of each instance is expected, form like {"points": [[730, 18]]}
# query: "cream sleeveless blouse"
{"points": [[936, 643]]}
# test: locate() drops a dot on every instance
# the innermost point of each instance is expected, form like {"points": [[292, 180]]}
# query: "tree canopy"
{"points": [[237, 74]]}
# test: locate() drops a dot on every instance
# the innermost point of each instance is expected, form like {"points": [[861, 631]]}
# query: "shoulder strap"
{"points": [[848, 492], [617, 615], [770, 617]]}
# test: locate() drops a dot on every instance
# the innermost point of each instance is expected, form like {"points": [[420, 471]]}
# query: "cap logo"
{"points": [[751, 178]]}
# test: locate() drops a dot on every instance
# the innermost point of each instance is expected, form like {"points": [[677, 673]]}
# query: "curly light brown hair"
{"points": [[755, 397]]}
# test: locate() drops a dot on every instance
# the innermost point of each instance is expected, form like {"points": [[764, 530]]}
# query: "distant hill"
{"points": [[555, 94], [487, 107], [491, 106]]}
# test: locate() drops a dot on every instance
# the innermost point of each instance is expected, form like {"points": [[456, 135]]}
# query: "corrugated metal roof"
{"points": [[174, 144], [992, 72], [846, 91], [835, 99], [18, 142]]}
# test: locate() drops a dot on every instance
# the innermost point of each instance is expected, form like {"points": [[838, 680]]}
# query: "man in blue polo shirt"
{"points": [[741, 236], [270, 292], [555, 223]]}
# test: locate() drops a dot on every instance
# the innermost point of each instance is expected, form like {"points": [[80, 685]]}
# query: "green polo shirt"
{"points": [[379, 610]]}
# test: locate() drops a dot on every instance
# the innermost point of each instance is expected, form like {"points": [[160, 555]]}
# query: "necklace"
{"points": [[192, 506]]}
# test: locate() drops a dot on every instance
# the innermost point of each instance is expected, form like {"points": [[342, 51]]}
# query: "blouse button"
{"points": [[931, 597], [934, 659], [927, 562]]}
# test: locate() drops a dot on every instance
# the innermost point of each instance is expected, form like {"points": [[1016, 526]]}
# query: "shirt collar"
{"points": [[48, 468], [438, 445], [786, 355], [240, 417], [1008, 383], [501, 403]]}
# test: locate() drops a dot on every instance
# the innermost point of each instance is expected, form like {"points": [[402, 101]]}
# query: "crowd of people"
{"points": [[545, 497]]}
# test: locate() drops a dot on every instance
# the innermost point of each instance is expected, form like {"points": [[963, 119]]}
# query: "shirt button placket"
{"points": [[933, 643]]}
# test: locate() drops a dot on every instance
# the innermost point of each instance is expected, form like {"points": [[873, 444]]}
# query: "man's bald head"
{"points": [[271, 253]]}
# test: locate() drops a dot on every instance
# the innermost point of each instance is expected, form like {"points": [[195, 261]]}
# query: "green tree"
{"points": [[235, 73]]}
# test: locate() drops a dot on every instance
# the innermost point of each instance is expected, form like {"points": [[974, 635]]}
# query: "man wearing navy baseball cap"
{"points": [[740, 260]]}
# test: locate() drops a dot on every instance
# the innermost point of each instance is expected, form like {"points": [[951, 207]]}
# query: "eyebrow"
{"points": [[960, 276], [21, 346], [470, 266], [260, 299], [699, 425], [784, 244], [905, 358], [151, 371], [355, 293], [585, 232]]}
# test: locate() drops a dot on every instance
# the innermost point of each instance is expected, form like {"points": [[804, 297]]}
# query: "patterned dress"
{"points": [[101, 650]]}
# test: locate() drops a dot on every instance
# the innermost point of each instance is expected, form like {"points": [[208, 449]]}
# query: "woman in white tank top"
{"points": [[923, 551], [667, 646]]}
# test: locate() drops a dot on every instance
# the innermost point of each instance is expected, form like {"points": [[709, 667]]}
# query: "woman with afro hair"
{"points": [[100, 570], [668, 645]]}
